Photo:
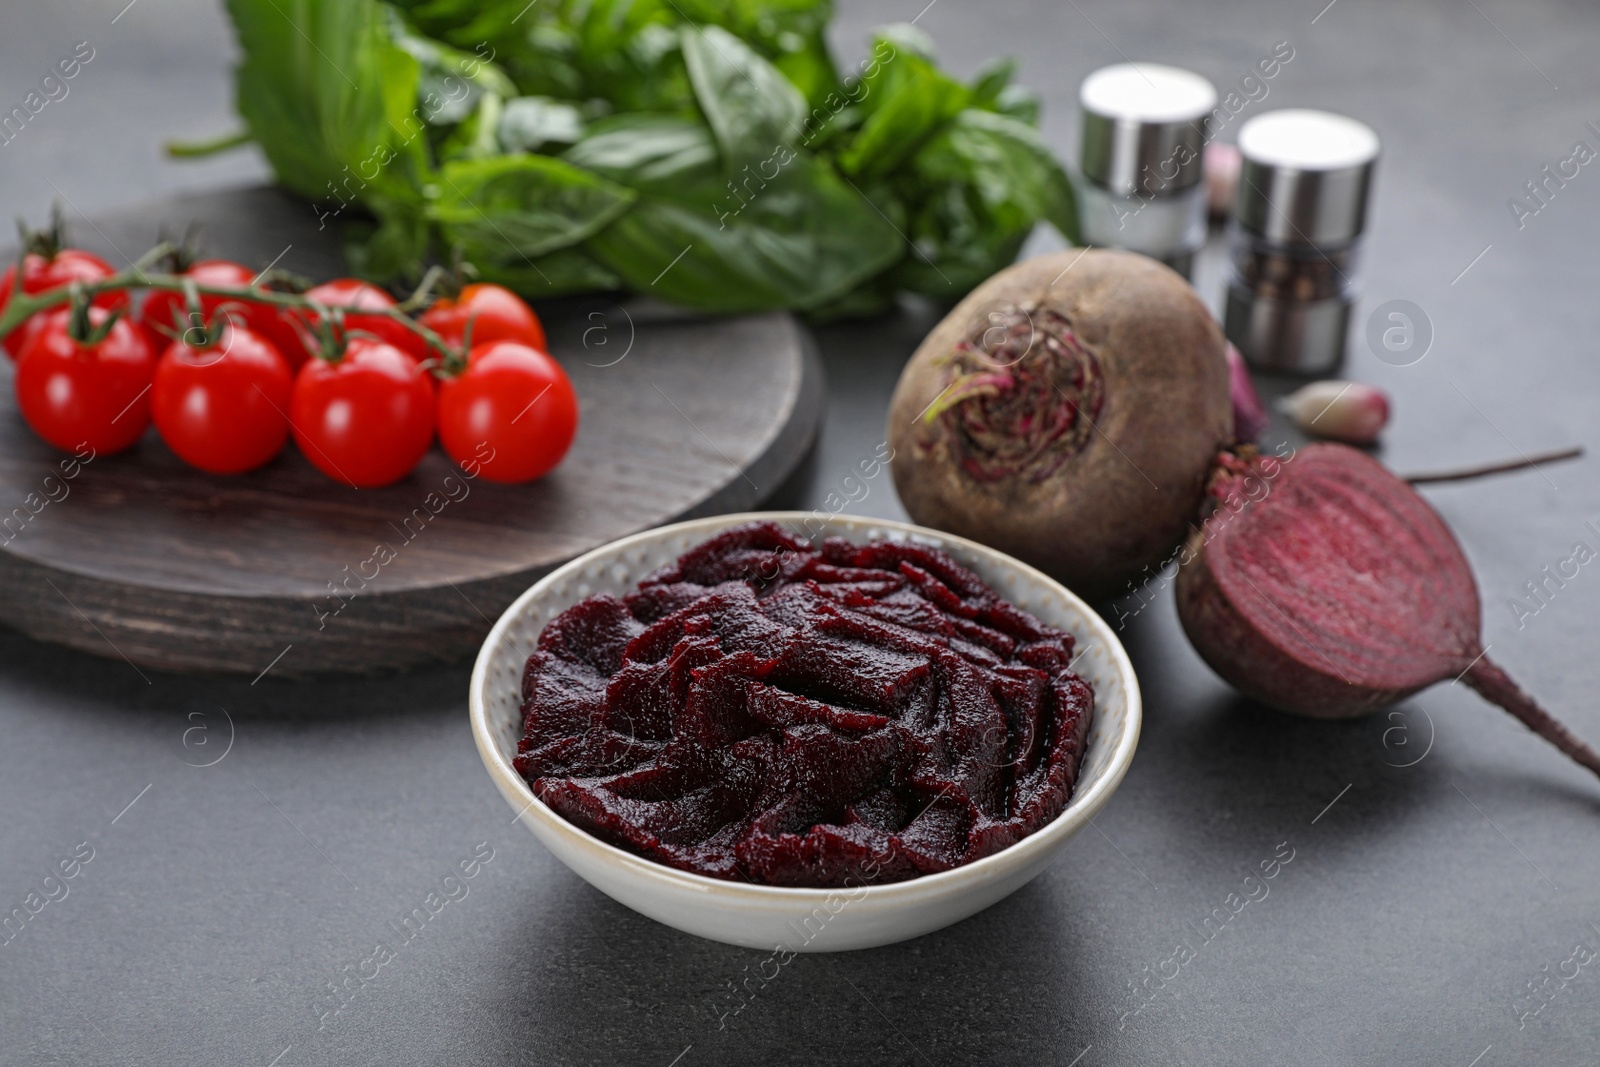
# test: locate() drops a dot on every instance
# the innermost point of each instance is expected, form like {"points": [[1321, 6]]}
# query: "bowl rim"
{"points": [[1081, 808]]}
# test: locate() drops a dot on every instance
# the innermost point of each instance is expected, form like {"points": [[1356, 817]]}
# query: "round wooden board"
{"points": [[141, 557]]}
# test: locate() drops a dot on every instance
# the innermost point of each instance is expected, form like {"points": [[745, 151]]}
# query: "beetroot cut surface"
{"points": [[1324, 585], [763, 710]]}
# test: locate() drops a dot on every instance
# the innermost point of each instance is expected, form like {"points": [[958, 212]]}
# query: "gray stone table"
{"points": [[1443, 859]]}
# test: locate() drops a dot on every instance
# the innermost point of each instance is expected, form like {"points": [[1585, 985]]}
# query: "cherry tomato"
{"points": [[496, 312], [367, 419], [40, 273], [223, 409], [164, 308], [510, 416], [355, 294], [74, 394]]}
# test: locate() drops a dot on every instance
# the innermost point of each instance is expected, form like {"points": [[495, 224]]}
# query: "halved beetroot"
{"points": [[1324, 585]]}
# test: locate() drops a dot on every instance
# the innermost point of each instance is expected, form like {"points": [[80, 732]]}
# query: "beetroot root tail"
{"points": [[1496, 686]]}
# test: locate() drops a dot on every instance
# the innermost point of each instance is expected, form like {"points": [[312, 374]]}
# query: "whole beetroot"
{"points": [[1324, 585], [1066, 412]]}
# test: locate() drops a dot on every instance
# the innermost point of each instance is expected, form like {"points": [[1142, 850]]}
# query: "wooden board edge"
{"points": [[169, 630]]}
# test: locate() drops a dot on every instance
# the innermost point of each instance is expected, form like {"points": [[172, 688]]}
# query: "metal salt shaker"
{"points": [[1295, 238], [1141, 184]]}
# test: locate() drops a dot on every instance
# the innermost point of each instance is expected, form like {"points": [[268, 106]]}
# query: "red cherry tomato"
{"points": [[354, 294], [367, 419], [74, 394], [39, 274], [164, 308], [497, 314], [510, 416], [223, 409]]}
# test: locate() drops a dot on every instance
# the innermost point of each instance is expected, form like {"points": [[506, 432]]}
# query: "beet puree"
{"points": [[765, 711]]}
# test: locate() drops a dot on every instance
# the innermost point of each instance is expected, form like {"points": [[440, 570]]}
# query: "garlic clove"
{"points": [[1352, 412], [1221, 165]]}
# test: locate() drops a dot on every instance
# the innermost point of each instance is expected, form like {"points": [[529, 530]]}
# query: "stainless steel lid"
{"points": [[1144, 128], [1305, 177]]}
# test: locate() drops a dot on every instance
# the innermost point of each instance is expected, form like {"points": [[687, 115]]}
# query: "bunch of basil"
{"points": [[706, 151]]}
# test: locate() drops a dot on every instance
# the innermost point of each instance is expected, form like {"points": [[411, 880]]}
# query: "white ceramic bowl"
{"points": [[772, 917]]}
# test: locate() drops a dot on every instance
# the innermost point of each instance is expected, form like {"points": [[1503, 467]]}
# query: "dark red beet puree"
{"points": [[764, 711]]}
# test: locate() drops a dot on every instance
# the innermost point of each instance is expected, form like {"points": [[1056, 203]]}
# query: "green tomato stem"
{"points": [[200, 149], [23, 305]]}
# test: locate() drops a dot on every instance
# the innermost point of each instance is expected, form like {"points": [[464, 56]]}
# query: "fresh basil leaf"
{"points": [[476, 137], [992, 79], [329, 97], [1020, 103], [529, 45], [789, 232], [952, 249], [792, 34], [464, 23], [528, 123], [810, 70], [994, 90], [773, 25], [906, 37], [566, 270], [1012, 170], [623, 51], [691, 258], [396, 247], [750, 107], [627, 52], [663, 155], [451, 81], [831, 126], [978, 188], [906, 102], [512, 209]]}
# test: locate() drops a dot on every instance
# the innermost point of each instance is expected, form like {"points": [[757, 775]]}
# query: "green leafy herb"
{"points": [[908, 101], [529, 123], [330, 98], [786, 231], [750, 107], [513, 208], [710, 152], [981, 182]]}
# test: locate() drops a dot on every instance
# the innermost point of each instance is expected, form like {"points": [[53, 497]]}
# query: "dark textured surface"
{"points": [[1405, 929]]}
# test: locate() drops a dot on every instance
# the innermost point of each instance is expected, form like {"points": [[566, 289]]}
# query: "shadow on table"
{"points": [[1267, 774], [587, 980]]}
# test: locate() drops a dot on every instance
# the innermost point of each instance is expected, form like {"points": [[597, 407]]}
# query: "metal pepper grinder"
{"points": [[1141, 184], [1295, 238]]}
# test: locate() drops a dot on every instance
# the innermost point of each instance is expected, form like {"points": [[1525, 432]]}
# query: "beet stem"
{"points": [[1463, 473], [1496, 686]]}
